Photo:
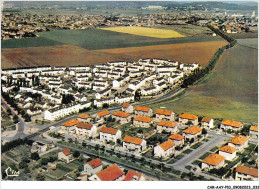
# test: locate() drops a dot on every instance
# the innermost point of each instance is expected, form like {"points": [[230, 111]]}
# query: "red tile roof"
{"points": [[247, 170], [111, 173], [177, 137], [141, 108], [95, 163], [108, 130], [188, 116], [66, 151], [206, 119], [254, 128], [239, 140], [228, 149], [232, 123], [84, 125], [125, 105], [131, 174], [70, 123], [143, 119], [133, 140], [121, 114], [167, 123], [192, 130], [164, 112], [213, 159], [167, 144], [83, 116], [103, 113]]}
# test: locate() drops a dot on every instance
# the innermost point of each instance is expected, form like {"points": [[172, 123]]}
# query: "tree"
{"points": [[76, 154], [9, 111], [15, 119], [40, 177], [189, 123], [204, 131], [35, 156], [44, 161], [22, 165], [105, 105], [192, 140], [84, 144], [70, 140]]}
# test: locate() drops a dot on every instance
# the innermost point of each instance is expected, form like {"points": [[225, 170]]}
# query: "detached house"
{"points": [[166, 149], [253, 132], [127, 108], [207, 123], [139, 110], [134, 176], [233, 125], [164, 114], [85, 118], [168, 126], [70, 126], [239, 142], [121, 116], [109, 134], [184, 118], [134, 144], [65, 155], [228, 152], [112, 173], [177, 139], [244, 173], [93, 166], [142, 121], [192, 132], [213, 161], [103, 114], [86, 129]]}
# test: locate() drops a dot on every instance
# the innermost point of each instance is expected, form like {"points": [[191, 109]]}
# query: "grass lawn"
{"points": [[214, 149], [205, 155], [179, 157], [187, 151], [197, 145]]}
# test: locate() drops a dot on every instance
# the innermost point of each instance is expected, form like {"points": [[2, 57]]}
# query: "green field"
{"points": [[231, 92], [97, 39]]}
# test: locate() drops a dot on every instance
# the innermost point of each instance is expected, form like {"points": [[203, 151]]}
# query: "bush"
{"points": [[76, 154], [22, 165], [35, 156], [44, 161], [40, 177]]}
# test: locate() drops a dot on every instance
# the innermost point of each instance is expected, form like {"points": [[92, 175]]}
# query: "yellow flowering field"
{"points": [[144, 31]]}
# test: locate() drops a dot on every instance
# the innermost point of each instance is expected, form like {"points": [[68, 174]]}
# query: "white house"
{"points": [[184, 118], [134, 176], [253, 132], [142, 121], [244, 173], [233, 125], [228, 152], [85, 118], [86, 129], [145, 111], [207, 123], [213, 161], [112, 173], [121, 116], [177, 139], [192, 132], [239, 142], [109, 134], [127, 108], [168, 126], [93, 166], [134, 144], [65, 155], [164, 114], [164, 150]]}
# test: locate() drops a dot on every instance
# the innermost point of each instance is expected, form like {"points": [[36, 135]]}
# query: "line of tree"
{"points": [[200, 73], [220, 33], [12, 144]]}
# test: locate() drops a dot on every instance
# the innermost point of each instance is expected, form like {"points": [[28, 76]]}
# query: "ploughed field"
{"points": [[229, 92], [68, 55], [94, 39]]}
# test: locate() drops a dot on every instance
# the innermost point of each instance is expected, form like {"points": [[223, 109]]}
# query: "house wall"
{"points": [[90, 170], [227, 156]]}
